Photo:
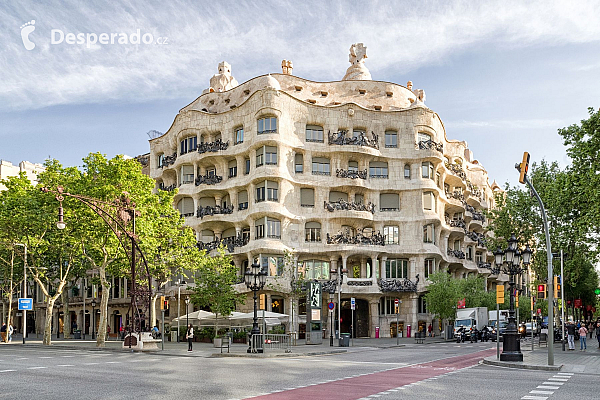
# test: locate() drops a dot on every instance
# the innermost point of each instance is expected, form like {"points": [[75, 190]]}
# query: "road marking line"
{"points": [[548, 387], [65, 365], [541, 392], [565, 373], [558, 379], [91, 363], [553, 383], [24, 358], [8, 370], [45, 357], [113, 362], [533, 398], [68, 356], [37, 367]]}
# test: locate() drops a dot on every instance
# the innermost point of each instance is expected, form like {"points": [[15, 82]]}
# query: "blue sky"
{"points": [[504, 76]]}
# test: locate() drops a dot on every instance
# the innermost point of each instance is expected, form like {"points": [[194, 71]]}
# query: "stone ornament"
{"points": [[398, 285], [222, 81], [419, 98], [357, 71], [287, 67], [350, 112]]}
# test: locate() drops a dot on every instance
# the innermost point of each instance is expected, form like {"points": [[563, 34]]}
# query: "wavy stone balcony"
{"points": [[332, 206], [341, 139]]}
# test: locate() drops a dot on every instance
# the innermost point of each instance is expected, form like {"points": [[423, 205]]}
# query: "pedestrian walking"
{"points": [[571, 335], [430, 329], [583, 338], [598, 333], [11, 330], [190, 336], [591, 329], [3, 332]]}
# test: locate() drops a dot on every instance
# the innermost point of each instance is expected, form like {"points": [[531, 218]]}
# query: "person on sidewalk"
{"points": [[3, 332], [430, 329], [190, 336], [598, 333], [571, 335], [583, 337], [11, 330]]}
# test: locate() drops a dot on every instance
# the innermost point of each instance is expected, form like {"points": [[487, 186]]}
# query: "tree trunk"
{"points": [[153, 310], [67, 315], [48, 321], [8, 318], [101, 335]]}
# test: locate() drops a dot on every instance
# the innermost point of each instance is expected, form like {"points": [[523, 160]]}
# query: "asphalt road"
{"points": [[436, 371]]}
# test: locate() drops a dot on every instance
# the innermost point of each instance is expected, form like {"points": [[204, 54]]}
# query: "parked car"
{"points": [[503, 325]]}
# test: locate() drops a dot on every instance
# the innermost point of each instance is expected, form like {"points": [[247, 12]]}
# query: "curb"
{"points": [[508, 364], [276, 355]]}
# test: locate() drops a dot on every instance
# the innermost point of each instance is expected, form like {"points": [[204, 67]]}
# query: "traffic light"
{"points": [[524, 167], [541, 289], [500, 294], [164, 303], [532, 303], [556, 287]]}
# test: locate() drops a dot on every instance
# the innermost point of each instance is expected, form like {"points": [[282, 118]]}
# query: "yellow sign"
{"points": [[162, 302], [263, 302], [517, 298], [500, 294]]}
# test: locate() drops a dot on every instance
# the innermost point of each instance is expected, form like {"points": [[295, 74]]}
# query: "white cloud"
{"points": [[254, 37]]}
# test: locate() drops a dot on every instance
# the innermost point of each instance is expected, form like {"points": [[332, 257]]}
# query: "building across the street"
{"points": [[9, 169], [315, 178]]}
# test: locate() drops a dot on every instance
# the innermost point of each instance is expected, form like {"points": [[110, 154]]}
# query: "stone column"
{"points": [[374, 316], [374, 269], [363, 267], [344, 267], [382, 271]]}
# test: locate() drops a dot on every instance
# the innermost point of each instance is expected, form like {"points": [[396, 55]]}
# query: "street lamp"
{"points": [[187, 314], [339, 279], [93, 319], [511, 265], [179, 283], [24, 288], [255, 280], [332, 290]]}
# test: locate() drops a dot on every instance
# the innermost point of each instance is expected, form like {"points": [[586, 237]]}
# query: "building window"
{"points": [[378, 169], [270, 155], [391, 139], [272, 191], [299, 163], [260, 228], [438, 179], [422, 305], [356, 133], [260, 194], [232, 168], [320, 166], [429, 266], [160, 160], [313, 232], [390, 233], [478, 257], [239, 135], [272, 265], [187, 145], [273, 228], [389, 202], [429, 233], [243, 200], [314, 269], [267, 125], [429, 201], [352, 166], [427, 170], [469, 254], [406, 171], [387, 306], [260, 156], [187, 174], [307, 197], [314, 133], [186, 207], [396, 268], [246, 166]]}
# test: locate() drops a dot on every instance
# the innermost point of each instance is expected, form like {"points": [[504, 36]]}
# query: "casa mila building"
{"points": [[320, 180]]}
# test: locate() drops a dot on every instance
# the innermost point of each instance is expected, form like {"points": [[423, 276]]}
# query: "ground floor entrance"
{"points": [[360, 325]]}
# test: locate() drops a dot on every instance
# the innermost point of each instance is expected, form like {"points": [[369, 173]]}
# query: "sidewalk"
{"points": [[236, 350], [566, 361]]}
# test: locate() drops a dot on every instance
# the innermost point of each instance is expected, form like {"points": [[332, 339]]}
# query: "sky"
{"points": [[503, 75]]}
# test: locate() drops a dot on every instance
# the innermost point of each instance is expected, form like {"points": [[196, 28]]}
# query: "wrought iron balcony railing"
{"points": [[332, 206], [212, 147], [213, 210], [167, 188], [376, 239], [168, 160], [477, 237], [398, 285], [208, 179], [230, 243], [456, 253], [361, 139], [351, 173], [431, 145]]}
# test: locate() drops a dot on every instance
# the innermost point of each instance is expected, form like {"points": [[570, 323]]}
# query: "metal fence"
{"points": [[261, 343]]}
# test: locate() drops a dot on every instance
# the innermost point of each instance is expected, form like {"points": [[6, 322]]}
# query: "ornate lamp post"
{"points": [[255, 280], [338, 279], [187, 314], [332, 290], [93, 319], [511, 265]]}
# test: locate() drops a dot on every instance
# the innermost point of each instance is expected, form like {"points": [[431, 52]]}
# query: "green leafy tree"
{"points": [[214, 287], [442, 295]]}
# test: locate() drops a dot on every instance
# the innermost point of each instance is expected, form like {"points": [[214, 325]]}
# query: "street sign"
{"points": [[25, 304], [330, 306], [500, 294], [352, 303], [396, 302]]}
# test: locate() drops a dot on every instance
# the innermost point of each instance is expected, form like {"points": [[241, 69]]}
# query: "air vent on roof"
{"points": [[227, 101], [298, 88], [362, 91], [211, 102], [389, 94], [247, 92], [311, 101], [336, 103], [233, 106], [324, 94], [205, 110], [378, 108]]}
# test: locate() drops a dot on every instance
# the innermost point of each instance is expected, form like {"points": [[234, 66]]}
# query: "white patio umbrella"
{"points": [[194, 317], [261, 314]]}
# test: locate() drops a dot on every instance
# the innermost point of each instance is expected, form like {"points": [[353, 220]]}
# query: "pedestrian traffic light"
{"points": [[524, 167], [541, 289], [500, 294], [556, 287], [164, 303]]}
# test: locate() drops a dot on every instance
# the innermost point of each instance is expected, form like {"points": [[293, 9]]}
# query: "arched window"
{"points": [[313, 231], [406, 171], [187, 145]]}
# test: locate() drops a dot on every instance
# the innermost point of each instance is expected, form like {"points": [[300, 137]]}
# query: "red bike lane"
{"points": [[362, 386]]}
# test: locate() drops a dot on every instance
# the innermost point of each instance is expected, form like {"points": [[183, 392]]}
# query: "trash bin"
{"points": [[408, 329], [345, 340], [376, 332], [77, 334], [173, 336]]}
